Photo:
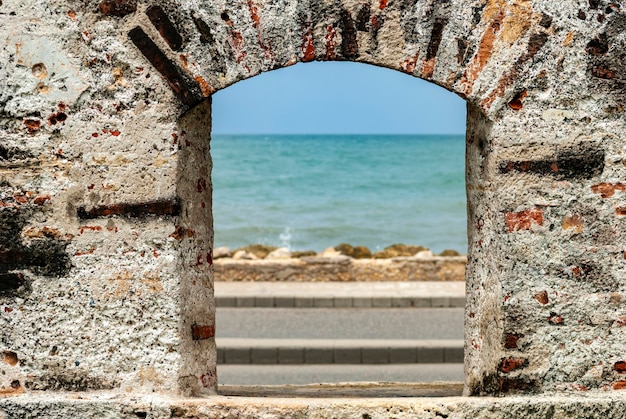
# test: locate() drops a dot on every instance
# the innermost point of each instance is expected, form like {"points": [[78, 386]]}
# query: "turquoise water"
{"points": [[315, 191]]}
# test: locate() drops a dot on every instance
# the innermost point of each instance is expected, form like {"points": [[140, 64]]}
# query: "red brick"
{"points": [[524, 220], [202, 332], [509, 364], [620, 366], [510, 340], [555, 319], [542, 297], [607, 190], [619, 385]]}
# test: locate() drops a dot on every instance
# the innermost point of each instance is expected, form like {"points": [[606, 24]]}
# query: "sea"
{"points": [[311, 192]]}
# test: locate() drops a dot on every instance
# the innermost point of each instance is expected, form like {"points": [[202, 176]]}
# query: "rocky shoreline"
{"points": [[261, 251], [343, 263]]}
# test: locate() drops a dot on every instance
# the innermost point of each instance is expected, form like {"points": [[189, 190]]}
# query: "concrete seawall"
{"points": [[342, 269]]}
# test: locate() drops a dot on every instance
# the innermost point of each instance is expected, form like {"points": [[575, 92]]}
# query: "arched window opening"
{"points": [[320, 154]]}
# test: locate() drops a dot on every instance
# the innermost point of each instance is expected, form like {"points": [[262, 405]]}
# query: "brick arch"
{"points": [[480, 51], [105, 163]]}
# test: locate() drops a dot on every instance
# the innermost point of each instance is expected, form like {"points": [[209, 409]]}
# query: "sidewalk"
{"points": [[340, 294]]}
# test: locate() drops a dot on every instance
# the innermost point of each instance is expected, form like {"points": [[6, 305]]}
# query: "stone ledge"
{"points": [[341, 269], [115, 405]]}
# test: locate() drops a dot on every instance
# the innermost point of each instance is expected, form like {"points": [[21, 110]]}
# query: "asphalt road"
{"points": [[340, 323], [309, 374]]}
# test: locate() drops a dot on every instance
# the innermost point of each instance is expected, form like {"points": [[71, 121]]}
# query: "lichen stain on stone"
{"points": [[518, 20], [574, 222], [126, 283], [510, 340], [149, 375]]}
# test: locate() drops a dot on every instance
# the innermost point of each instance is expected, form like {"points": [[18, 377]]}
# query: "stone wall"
{"points": [[105, 190]]}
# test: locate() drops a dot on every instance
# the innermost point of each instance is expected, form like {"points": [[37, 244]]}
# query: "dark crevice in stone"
{"points": [[118, 8], [598, 45], [435, 38], [349, 44], [166, 28], [167, 208], [546, 21], [11, 283], [186, 90], [580, 162], [206, 37], [363, 17]]}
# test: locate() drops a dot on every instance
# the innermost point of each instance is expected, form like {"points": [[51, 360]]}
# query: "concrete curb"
{"points": [[337, 295], [302, 301], [337, 351]]}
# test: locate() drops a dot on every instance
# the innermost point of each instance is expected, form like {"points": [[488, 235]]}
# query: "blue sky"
{"points": [[336, 98]]}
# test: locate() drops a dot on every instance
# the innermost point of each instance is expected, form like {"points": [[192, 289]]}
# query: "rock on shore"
{"points": [[341, 263]]}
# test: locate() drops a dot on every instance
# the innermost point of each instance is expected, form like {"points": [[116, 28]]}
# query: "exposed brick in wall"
{"points": [[105, 188]]}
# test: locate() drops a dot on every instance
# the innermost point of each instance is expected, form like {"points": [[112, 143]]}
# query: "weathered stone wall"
{"points": [[105, 266]]}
